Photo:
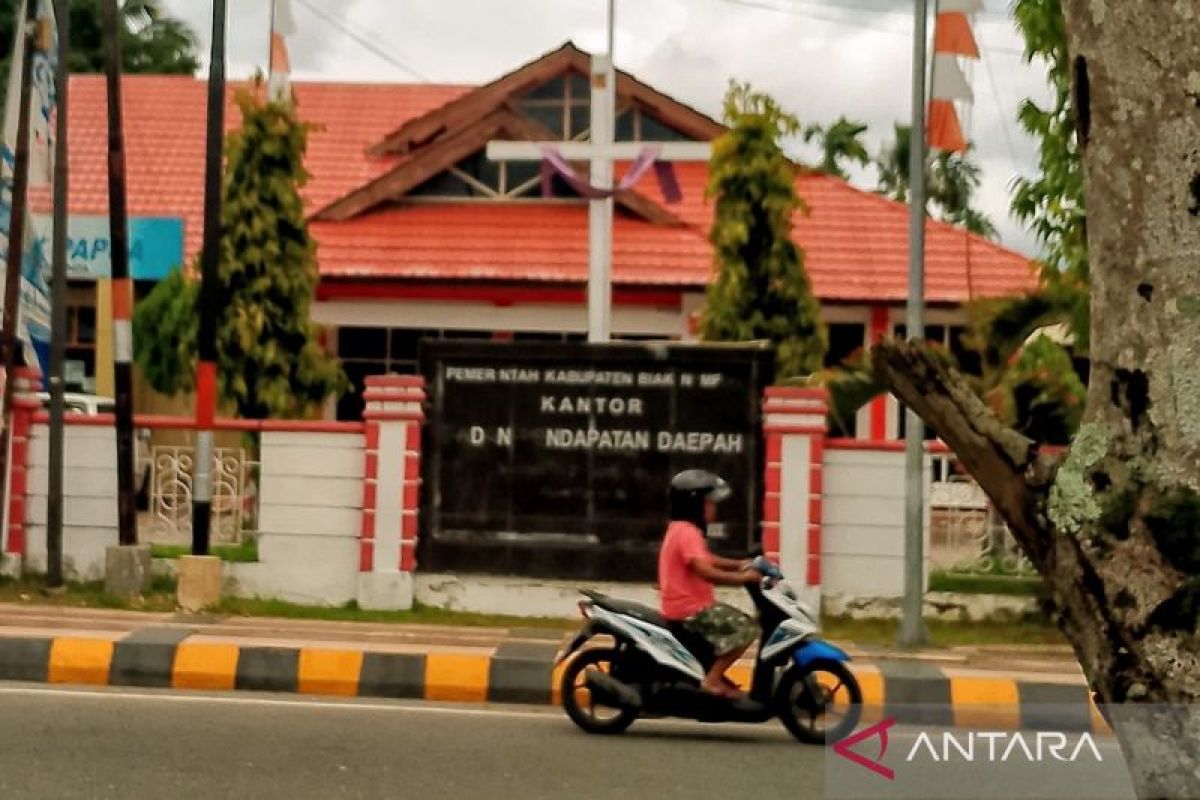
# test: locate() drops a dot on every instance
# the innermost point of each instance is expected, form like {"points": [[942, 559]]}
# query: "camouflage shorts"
{"points": [[724, 627]]}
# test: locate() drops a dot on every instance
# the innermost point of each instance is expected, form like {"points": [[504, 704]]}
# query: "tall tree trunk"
{"points": [[1114, 528]]}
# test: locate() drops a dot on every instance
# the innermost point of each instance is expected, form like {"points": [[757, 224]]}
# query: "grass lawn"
{"points": [[244, 553], [161, 597], [943, 633]]}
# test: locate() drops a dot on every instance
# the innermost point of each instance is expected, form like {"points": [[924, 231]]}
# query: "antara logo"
{"points": [[970, 747]]}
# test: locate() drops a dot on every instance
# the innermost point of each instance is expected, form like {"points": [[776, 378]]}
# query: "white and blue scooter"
{"points": [[654, 669]]}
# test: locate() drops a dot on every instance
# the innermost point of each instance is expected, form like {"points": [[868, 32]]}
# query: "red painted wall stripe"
{"points": [[498, 295], [879, 332]]}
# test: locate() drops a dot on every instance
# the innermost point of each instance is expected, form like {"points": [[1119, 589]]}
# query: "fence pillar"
{"points": [[795, 428], [391, 491], [25, 405]]}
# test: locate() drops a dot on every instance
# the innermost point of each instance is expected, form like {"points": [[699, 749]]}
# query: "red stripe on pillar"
{"points": [[20, 480], [412, 496], [771, 508], [373, 436], [814, 510], [372, 465], [879, 332], [412, 467], [771, 478], [206, 394], [408, 556], [409, 528], [369, 495], [366, 558], [814, 571], [122, 298], [368, 524], [774, 448], [770, 537]]}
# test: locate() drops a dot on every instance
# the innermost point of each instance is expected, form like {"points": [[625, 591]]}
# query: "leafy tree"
{"points": [[840, 141], [270, 363], [151, 41], [1052, 203], [1113, 526], [760, 290], [950, 183], [164, 335]]}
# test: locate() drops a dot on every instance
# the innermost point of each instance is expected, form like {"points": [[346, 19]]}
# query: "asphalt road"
{"points": [[99, 744]]}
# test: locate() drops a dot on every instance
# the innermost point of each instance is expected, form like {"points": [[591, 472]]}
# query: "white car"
{"points": [[92, 405]]}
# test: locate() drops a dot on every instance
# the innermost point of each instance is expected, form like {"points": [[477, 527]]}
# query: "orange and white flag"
{"points": [[283, 25], [953, 39]]}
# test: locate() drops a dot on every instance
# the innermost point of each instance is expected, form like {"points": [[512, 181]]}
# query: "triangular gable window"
{"points": [[563, 105], [477, 177]]}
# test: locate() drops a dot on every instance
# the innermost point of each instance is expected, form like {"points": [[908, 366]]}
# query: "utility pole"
{"points": [[58, 304], [912, 627], [16, 247], [206, 367], [121, 285], [600, 212]]}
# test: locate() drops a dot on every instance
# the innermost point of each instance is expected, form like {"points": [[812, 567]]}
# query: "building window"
{"points": [[79, 366], [637, 125], [477, 177], [564, 105], [845, 339]]}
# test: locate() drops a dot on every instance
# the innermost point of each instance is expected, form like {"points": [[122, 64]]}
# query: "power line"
{"points": [[363, 40], [809, 11], [1012, 151]]}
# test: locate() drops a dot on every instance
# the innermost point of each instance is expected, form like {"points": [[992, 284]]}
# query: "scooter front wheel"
{"points": [[821, 704], [582, 706]]}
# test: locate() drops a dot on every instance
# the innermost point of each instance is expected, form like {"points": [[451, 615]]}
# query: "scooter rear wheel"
{"points": [[839, 702], [577, 699]]}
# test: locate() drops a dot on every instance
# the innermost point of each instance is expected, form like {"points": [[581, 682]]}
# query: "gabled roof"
{"points": [[164, 137], [855, 246], [410, 172], [469, 108], [855, 242]]}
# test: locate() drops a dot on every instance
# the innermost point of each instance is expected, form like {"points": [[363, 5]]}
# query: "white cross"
{"points": [[601, 152]]}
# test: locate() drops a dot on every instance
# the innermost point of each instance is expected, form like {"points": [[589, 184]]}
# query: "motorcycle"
{"points": [[655, 667]]}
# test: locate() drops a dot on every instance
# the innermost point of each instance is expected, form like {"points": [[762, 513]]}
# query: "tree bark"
{"points": [[1114, 527]]}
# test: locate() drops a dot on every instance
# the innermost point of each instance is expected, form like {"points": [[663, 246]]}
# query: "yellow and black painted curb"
{"points": [[516, 672]]}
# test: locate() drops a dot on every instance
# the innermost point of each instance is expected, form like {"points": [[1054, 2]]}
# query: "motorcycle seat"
{"points": [[629, 608]]}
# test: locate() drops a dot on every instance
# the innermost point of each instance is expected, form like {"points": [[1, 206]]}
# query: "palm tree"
{"points": [[840, 141], [950, 183], [892, 164]]}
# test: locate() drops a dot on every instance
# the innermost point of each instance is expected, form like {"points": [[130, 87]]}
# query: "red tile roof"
{"points": [[855, 242], [164, 138]]}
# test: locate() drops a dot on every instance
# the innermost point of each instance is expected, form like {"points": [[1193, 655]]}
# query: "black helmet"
{"points": [[689, 490]]}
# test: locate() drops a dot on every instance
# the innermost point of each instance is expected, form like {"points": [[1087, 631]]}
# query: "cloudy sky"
{"points": [[819, 58]]}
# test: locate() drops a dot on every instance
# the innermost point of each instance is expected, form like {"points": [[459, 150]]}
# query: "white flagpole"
{"points": [[912, 628], [600, 212]]}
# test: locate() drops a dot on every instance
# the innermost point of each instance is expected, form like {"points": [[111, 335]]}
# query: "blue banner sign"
{"points": [[155, 246]]}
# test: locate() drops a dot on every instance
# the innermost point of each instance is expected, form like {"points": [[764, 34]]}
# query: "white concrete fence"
{"points": [[338, 505]]}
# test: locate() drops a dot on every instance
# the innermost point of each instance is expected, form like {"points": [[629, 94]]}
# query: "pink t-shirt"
{"points": [[684, 593]]}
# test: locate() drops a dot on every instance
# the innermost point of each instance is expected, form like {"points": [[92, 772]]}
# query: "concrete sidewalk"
{"points": [[1002, 687]]}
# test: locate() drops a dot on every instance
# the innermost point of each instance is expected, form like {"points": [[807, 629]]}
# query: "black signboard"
{"points": [[554, 460]]}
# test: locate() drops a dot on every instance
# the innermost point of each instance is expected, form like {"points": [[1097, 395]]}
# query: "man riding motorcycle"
{"points": [[688, 571]]}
